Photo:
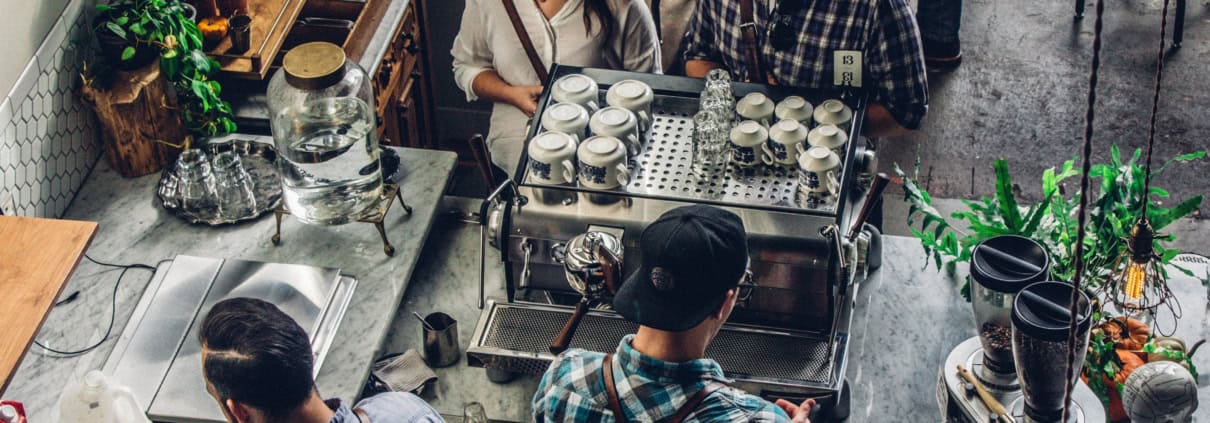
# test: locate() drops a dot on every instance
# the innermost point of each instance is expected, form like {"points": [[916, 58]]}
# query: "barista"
{"points": [[695, 262], [799, 42]]}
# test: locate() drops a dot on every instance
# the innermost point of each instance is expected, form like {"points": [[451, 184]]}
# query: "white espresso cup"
{"points": [[568, 118], [552, 158], [748, 144], [833, 112], [829, 137], [603, 163], [786, 140], [818, 170], [755, 107], [634, 96], [619, 123], [576, 89], [794, 108]]}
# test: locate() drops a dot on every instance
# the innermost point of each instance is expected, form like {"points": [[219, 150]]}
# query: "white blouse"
{"points": [[487, 41]]}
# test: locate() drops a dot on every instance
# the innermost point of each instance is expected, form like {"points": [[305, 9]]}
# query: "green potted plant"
{"points": [[131, 33]]}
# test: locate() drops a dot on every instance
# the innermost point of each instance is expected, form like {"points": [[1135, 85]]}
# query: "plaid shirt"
{"points": [[886, 35], [573, 389]]}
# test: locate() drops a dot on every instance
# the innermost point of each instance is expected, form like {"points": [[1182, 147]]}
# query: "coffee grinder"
{"points": [[1000, 268]]}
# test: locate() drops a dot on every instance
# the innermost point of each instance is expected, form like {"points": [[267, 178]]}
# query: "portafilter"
{"points": [[592, 262]]}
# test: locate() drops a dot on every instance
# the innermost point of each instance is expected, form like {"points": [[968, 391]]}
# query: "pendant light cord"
{"points": [[1155, 107], [1086, 170]]}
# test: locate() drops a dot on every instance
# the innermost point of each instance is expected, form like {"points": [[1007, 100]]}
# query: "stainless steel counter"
{"points": [[133, 229]]}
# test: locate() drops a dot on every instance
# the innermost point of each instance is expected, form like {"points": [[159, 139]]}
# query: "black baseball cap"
{"points": [[691, 256]]}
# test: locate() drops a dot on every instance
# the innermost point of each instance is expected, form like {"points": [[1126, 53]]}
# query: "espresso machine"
{"points": [[789, 341]]}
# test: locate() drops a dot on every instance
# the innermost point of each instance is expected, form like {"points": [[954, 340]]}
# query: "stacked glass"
{"points": [[718, 97], [710, 144], [712, 124], [195, 186], [233, 187]]}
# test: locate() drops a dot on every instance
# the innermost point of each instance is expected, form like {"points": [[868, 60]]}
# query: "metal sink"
{"points": [[158, 354]]}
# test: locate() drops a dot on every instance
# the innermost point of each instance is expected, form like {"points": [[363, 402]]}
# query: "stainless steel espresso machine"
{"points": [[789, 341]]}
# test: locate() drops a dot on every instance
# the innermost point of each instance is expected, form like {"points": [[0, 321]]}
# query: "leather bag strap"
{"points": [[611, 390], [747, 26], [692, 404], [361, 415], [615, 403], [526, 42]]}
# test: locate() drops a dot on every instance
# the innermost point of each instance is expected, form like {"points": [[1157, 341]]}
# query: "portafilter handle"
{"points": [[873, 196], [569, 329]]}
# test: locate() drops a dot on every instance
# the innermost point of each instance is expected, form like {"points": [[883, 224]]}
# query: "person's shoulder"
{"points": [[398, 407], [574, 362]]}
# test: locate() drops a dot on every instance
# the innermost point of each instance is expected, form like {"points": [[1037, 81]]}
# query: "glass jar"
{"points": [[233, 187], [324, 126], [1000, 267], [195, 183]]}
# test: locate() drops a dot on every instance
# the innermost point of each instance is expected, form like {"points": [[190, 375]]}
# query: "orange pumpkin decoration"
{"points": [[1126, 333], [213, 29]]}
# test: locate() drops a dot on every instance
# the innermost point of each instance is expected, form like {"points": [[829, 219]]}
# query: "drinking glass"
{"points": [[195, 183], [474, 413], [709, 144], [233, 187]]}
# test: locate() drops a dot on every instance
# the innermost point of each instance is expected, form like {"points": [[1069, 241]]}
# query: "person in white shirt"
{"points": [[490, 62]]}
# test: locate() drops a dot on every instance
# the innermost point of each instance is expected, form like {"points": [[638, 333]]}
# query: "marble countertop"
{"points": [[907, 319], [133, 229]]}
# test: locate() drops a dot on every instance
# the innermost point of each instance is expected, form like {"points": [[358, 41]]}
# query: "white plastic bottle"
{"points": [[96, 400]]}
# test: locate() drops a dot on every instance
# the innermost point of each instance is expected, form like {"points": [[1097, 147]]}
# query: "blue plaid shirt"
{"points": [[883, 30], [573, 389]]}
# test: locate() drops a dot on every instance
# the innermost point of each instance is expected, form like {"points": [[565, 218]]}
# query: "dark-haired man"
{"points": [[694, 259], [257, 364]]}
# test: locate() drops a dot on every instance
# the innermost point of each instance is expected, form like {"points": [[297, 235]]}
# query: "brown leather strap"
{"points": [[361, 415], [747, 26], [692, 404], [526, 42], [615, 403], [611, 390]]}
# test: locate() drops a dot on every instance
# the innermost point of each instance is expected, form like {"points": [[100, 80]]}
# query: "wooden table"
{"points": [[37, 256]]}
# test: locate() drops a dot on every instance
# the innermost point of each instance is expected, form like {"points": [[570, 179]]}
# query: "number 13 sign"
{"points": [[847, 68]]}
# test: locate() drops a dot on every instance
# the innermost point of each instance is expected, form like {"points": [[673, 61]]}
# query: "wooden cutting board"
{"points": [[37, 257]]}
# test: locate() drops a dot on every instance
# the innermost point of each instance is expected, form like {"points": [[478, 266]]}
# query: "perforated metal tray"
{"points": [[663, 168]]}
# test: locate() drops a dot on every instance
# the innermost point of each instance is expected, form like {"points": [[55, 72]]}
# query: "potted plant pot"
{"points": [[112, 46]]}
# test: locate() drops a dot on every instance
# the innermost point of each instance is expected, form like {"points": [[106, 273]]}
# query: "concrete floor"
{"points": [[1021, 94]]}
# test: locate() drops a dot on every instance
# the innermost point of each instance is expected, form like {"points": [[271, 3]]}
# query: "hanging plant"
{"points": [[129, 31], [1051, 222]]}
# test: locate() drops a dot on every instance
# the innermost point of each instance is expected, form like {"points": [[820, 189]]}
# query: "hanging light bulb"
{"points": [[1137, 284]]}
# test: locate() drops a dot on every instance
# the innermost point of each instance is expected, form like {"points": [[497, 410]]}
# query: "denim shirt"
{"points": [[573, 389], [389, 407]]}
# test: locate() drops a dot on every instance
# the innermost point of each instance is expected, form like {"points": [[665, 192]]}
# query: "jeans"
{"points": [[939, 20]]}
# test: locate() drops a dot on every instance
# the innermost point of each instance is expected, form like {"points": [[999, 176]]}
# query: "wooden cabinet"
{"points": [[402, 86]]}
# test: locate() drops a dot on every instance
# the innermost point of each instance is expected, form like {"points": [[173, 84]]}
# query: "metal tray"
{"points": [[663, 169], [258, 159]]}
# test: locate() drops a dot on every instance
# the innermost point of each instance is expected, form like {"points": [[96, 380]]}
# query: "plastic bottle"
{"points": [[96, 400], [12, 412]]}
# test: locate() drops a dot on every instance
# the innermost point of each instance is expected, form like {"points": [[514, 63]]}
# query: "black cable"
{"points": [[113, 310]]}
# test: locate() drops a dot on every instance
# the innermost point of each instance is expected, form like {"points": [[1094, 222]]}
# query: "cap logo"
{"points": [[662, 279]]}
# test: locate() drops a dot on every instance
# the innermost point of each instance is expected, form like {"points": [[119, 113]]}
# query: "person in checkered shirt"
{"points": [[694, 270], [796, 41]]}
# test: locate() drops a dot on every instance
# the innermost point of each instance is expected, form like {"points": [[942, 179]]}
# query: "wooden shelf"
{"points": [[271, 21]]}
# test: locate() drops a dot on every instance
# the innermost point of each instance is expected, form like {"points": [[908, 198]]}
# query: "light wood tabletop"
{"points": [[37, 257]]}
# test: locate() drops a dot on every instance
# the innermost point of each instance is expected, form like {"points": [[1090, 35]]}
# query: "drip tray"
{"points": [[515, 337], [158, 354]]}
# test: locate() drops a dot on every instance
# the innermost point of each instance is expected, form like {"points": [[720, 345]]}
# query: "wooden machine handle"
{"points": [[873, 196], [569, 329]]}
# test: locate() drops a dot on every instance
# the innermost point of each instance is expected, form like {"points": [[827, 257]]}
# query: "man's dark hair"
{"points": [[257, 355]]}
